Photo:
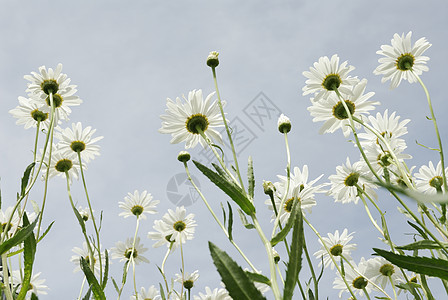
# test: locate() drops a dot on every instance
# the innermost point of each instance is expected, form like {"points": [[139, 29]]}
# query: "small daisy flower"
{"points": [[343, 183], [333, 113], [162, 235], [180, 226], [36, 284], [13, 225], [28, 114], [138, 205], [152, 294], [61, 163], [402, 61], [339, 246], [185, 120], [356, 281], [216, 294], [84, 253], [299, 188], [326, 76], [79, 140], [383, 272], [123, 251], [429, 179], [189, 279], [85, 213]]}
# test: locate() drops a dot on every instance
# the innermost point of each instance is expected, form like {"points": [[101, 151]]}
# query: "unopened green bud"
{"points": [[284, 124], [183, 156], [212, 59], [268, 188]]}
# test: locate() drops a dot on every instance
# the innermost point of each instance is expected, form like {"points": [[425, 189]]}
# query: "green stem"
{"points": [[313, 274], [7, 288]]}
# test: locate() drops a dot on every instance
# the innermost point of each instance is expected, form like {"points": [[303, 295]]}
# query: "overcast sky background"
{"points": [[128, 57]]}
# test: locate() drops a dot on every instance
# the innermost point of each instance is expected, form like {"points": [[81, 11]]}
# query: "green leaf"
{"points": [[19, 237], [295, 256], [230, 188], [250, 177], [244, 220], [29, 251], [284, 232], [87, 295], [93, 283], [45, 232], [417, 196], [230, 224], [419, 230], [106, 270], [423, 265], [162, 293], [117, 289], [34, 297], [256, 277], [235, 279], [423, 244], [25, 178]]}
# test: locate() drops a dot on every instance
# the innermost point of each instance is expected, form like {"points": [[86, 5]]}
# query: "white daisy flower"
{"points": [[28, 114], [356, 281], [343, 183], [61, 163], [327, 76], [36, 285], [84, 253], [152, 294], [189, 279], [124, 250], [180, 226], [429, 179], [299, 188], [85, 213], [333, 113], [162, 235], [216, 294], [9, 226], [383, 272], [402, 61], [77, 139], [138, 205], [339, 246], [185, 120]]}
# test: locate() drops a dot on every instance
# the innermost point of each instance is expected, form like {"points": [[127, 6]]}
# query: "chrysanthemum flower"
{"points": [[15, 222], [339, 246], [77, 139], [343, 183], [28, 114], [185, 120], [357, 282], [189, 279], [402, 60], [299, 188], [327, 76], [138, 205], [61, 163], [152, 294], [84, 253], [84, 212], [429, 179], [123, 251], [383, 272], [36, 284], [161, 235], [333, 113], [216, 294]]}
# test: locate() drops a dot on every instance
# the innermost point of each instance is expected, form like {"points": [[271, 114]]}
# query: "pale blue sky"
{"points": [[128, 57]]}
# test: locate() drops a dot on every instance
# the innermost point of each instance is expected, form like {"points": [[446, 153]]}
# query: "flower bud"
{"points": [[268, 188], [212, 59], [284, 124], [183, 156]]}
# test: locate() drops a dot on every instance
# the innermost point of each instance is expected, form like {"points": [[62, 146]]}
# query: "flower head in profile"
{"points": [[60, 164], [189, 279], [429, 179], [339, 246], [345, 183], [216, 294], [384, 272], [138, 204], [84, 253], [152, 293], [333, 113], [402, 60], [28, 114], [358, 283], [79, 140], [186, 120], [123, 251], [36, 284], [9, 220], [326, 76]]}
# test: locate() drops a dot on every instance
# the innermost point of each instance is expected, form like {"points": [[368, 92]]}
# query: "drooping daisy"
{"points": [[138, 205], [61, 163], [185, 119], [151, 294], [28, 114], [384, 272], [326, 76], [339, 247], [356, 281], [123, 251], [343, 183], [189, 279], [84, 253], [402, 60], [429, 179], [299, 188], [333, 113], [216, 294], [79, 140], [36, 285]]}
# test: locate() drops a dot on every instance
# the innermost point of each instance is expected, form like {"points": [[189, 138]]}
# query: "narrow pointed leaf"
{"points": [[162, 293], [106, 270], [232, 190], [230, 224], [295, 256], [417, 196], [244, 220], [256, 277], [34, 297], [284, 232], [25, 178], [423, 244], [419, 230], [87, 295], [93, 283], [423, 265], [250, 177], [29, 251], [235, 279], [19, 237]]}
